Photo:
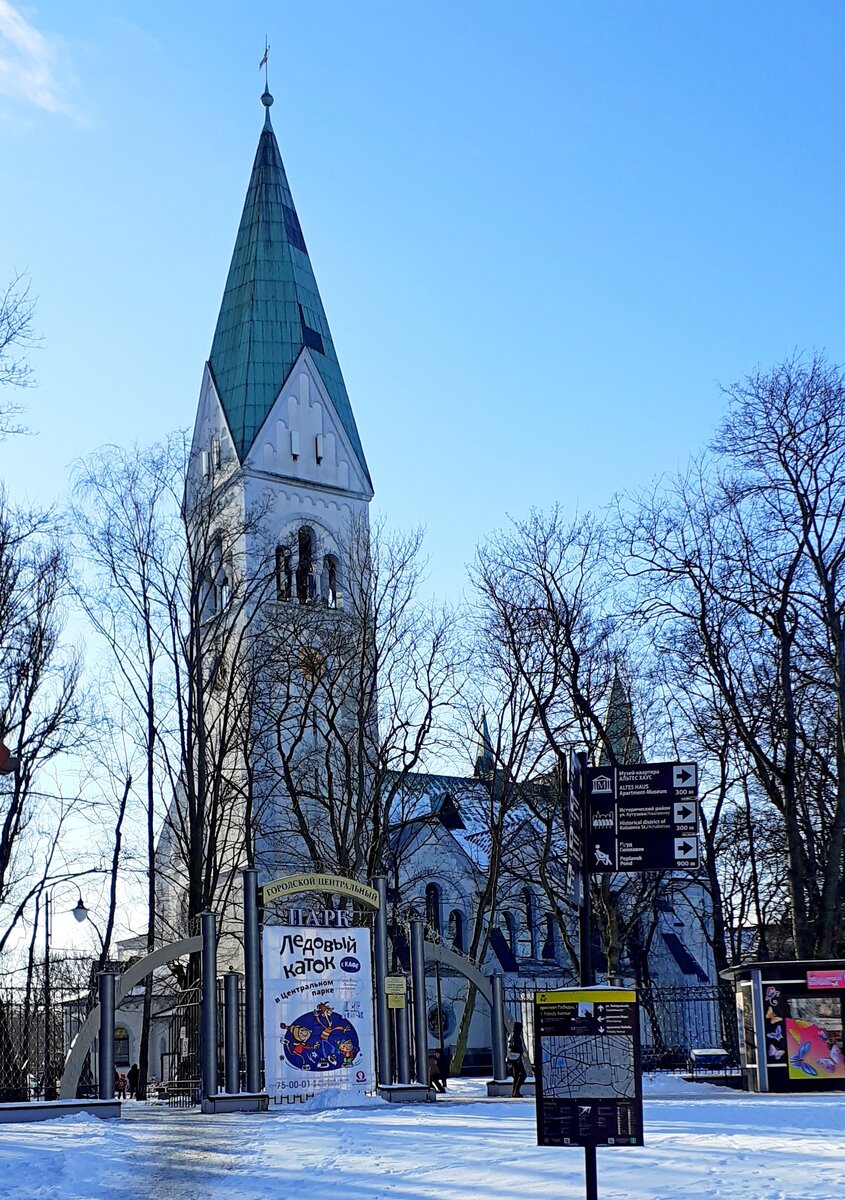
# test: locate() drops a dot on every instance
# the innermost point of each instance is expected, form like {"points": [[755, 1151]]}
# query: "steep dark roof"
{"points": [[271, 309]]}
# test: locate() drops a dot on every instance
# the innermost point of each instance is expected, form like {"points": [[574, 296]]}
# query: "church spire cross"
{"points": [[266, 98]]}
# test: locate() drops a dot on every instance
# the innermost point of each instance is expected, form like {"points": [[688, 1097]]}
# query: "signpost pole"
{"points": [[252, 982], [383, 1047], [587, 974], [418, 988]]}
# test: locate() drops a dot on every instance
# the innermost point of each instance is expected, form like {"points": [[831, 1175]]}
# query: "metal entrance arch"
{"points": [[489, 988], [90, 1028], [462, 965]]}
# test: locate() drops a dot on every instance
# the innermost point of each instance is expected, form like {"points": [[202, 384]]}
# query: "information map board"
{"points": [[588, 1081]]}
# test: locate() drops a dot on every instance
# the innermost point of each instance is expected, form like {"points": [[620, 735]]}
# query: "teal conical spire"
{"points": [[621, 730], [271, 308], [485, 760]]}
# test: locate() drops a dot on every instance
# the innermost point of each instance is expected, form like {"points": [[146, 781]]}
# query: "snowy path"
{"points": [[702, 1143]]}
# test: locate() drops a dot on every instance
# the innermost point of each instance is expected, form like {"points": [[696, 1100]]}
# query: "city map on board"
{"points": [[589, 1068], [587, 1049]]}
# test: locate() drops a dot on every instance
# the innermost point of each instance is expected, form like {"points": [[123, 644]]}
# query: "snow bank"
{"points": [[331, 1098]]}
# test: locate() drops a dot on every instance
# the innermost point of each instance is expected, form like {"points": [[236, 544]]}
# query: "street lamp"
{"points": [[80, 913]]}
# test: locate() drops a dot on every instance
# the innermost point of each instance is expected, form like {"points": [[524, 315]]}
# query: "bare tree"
{"points": [[17, 337], [353, 682], [125, 522], [741, 567], [40, 711], [169, 594], [552, 618]]}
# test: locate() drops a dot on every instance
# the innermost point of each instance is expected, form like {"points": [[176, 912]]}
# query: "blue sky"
{"points": [[544, 233]]}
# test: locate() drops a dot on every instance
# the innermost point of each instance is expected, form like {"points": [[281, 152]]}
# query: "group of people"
{"points": [[439, 1062], [126, 1082]]}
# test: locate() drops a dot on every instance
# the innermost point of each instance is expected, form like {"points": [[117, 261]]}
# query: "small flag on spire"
{"points": [[265, 56]]}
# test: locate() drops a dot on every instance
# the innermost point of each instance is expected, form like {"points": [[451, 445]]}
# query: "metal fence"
{"points": [[674, 1021], [35, 1038], [179, 1066]]}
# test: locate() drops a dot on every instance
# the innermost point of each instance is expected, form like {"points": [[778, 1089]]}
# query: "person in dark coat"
{"points": [[132, 1080], [439, 1062], [516, 1058]]}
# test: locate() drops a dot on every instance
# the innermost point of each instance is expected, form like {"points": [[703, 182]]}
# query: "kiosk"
{"points": [[790, 1017]]}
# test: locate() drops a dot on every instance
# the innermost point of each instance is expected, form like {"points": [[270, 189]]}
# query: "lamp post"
{"points": [[80, 913]]}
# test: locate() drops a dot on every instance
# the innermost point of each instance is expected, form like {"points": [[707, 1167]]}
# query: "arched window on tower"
{"points": [[526, 930], [213, 580], [306, 581], [508, 927], [432, 907], [456, 930], [284, 573], [331, 594]]}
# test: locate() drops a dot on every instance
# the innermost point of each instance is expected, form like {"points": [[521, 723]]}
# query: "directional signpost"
{"points": [[575, 830], [631, 818], [642, 818]]}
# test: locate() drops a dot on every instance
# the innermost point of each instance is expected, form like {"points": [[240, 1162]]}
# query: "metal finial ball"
{"points": [[266, 99]]}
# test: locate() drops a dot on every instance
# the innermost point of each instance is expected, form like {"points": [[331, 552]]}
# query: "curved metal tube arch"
{"points": [[90, 1027], [463, 966]]}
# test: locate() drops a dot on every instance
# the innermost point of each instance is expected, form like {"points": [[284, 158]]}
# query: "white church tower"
{"points": [[274, 417], [273, 400]]}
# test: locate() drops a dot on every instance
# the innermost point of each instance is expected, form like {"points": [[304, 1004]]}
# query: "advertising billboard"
{"points": [[318, 1010], [814, 1046]]}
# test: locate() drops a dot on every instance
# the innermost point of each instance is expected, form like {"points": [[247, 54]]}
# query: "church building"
{"points": [[276, 433]]}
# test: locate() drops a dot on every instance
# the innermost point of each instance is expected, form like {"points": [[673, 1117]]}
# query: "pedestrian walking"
{"points": [[132, 1080], [516, 1058]]}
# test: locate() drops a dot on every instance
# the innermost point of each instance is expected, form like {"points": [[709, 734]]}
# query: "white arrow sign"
{"points": [[685, 775], [686, 847]]}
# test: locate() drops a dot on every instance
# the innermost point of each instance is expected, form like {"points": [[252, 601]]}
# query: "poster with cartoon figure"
{"points": [[318, 1010]]}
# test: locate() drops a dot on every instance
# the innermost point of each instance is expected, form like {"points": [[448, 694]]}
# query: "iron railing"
{"points": [[674, 1021]]}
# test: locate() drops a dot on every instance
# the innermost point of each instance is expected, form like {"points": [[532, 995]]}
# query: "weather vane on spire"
{"points": [[266, 99]]}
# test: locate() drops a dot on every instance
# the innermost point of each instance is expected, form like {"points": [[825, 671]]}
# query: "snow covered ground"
{"points": [[702, 1143]]}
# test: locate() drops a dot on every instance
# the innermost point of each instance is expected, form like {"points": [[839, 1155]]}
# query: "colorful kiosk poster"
{"points": [[318, 1010], [814, 1043], [588, 1082]]}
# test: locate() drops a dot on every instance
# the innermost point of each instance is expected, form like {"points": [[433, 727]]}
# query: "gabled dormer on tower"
{"points": [[273, 400]]}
